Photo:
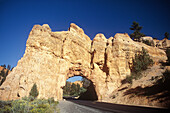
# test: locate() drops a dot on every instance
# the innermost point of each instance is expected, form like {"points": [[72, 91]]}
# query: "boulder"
{"points": [[146, 38]]}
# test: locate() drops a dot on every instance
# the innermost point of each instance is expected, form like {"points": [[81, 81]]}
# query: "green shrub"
{"points": [[5, 109], [34, 91], [129, 79], [27, 105], [42, 108], [71, 89], [20, 106], [140, 63], [52, 101], [30, 98], [147, 42], [5, 106]]}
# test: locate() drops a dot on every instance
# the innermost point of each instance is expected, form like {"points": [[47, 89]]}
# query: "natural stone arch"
{"points": [[51, 57], [91, 90]]}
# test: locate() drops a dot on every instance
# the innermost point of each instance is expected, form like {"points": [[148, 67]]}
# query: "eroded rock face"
{"points": [[162, 44], [52, 57], [146, 38]]}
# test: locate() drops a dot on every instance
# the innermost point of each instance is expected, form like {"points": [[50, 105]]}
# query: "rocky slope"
{"points": [[153, 89], [51, 58]]}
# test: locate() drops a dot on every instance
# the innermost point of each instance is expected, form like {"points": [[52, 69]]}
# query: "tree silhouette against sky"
{"points": [[136, 35]]}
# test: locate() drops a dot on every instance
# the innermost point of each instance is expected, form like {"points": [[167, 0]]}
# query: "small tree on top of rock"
{"points": [[136, 35], [3, 66], [166, 35], [9, 67], [34, 91]]}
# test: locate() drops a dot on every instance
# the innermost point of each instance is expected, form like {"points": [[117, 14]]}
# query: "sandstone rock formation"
{"points": [[52, 57], [78, 82], [146, 38], [162, 44]]}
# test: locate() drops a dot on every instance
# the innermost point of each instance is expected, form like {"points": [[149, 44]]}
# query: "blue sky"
{"points": [[17, 17], [75, 78]]}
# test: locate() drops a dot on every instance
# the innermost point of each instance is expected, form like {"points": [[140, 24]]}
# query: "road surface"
{"points": [[71, 107], [81, 106]]}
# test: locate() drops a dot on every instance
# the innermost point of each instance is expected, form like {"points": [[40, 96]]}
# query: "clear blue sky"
{"points": [[17, 17], [75, 78]]}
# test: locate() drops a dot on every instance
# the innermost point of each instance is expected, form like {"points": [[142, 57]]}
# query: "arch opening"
{"points": [[80, 88]]}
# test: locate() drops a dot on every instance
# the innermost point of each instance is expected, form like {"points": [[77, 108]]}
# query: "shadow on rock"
{"points": [[160, 91]]}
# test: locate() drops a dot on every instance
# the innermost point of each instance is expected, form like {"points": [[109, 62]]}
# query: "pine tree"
{"points": [[77, 89], [67, 88], [3, 66], [4, 75], [9, 67], [136, 35], [34, 91], [73, 89], [166, 35]]}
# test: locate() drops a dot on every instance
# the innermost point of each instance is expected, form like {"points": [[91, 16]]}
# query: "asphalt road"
{"points": [[71, 107], [81, 106]]}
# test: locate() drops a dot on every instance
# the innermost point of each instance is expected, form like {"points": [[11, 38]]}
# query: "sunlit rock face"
{"points": [[52, 57], [146, 38], [162, 44]]}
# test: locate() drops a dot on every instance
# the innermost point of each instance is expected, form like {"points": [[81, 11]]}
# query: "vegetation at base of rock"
{"points": [[168, 55], [147, 42], [136, 35], [27, 105], [72, 89], [140, 63], [34, 91], [128, 79]]}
